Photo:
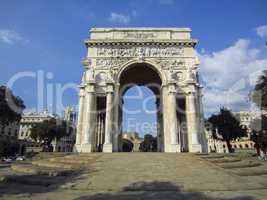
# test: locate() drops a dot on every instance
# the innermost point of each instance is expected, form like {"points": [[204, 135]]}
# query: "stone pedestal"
{"points": [[77, 148], [107, 148], [172, 148], [86, 148], [196, 148]]}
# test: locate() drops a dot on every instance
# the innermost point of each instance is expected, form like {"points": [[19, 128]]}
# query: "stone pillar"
{"points": [[165, 108], [116, 119], [170, 119], [120, 124], [192, 123], [80, 120], [109, 119], [89, 125], [173, 126], [204, 143]]}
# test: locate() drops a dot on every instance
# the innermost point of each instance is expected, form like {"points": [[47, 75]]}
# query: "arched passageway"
{"points": [[140, 102]]}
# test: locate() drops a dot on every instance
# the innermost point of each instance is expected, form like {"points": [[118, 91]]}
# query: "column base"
{"points": [[172, 148], [86, 148], [77, 148], [196, 148], [107, 148]]}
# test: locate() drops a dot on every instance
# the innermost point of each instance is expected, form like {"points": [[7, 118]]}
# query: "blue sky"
{"points": [[48, 35]]}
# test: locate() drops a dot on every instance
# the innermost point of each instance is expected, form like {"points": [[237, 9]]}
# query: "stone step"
{"points": [[250, 171], [236, 165], [225, 160], [83, 156], [36, 170], [69, 161], [47, 163]]}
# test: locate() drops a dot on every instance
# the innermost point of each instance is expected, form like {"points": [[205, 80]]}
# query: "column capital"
{"points": [[109, 87], [90, 88], [82, 93], [172, 88]]}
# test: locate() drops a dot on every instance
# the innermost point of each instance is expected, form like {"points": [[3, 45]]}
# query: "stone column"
{"points": [[159, 125], [116, 119], [165, 109], [80, 120], [109, 119], [204, 143], [173, 125], [158, 131], [89, 126], [192, 123]]}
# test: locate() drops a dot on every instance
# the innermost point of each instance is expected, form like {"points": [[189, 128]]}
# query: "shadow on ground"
{"points": [[33, 184], [156, 191]]}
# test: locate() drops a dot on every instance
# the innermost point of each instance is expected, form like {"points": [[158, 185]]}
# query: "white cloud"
{"points": [[119, 18], [262, 31], [229, 75], [10, 37]]}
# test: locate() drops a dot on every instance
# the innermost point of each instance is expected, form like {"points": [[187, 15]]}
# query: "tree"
{"points": [[8, 148], [11, 107], [47, 131], [127, 146], [259, 133], [259, 94], [227, 126], [149, 144]]}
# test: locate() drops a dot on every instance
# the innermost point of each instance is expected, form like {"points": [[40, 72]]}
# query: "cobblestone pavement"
{"points": [[146, 176]]}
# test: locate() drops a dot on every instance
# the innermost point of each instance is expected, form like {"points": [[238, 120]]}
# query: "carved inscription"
{"points": [[139, 35], [110, 62], [139, 52]]}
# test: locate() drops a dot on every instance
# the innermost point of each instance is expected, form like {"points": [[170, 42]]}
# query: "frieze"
{"points": [[140, 51], [106, 63], [170, 63]]}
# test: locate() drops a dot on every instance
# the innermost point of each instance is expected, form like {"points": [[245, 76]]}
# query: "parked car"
{"points": [[20, 158], [9, 159]]}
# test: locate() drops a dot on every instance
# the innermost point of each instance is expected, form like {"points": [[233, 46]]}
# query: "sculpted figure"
{"points": [[90, 73], [171, 74]]}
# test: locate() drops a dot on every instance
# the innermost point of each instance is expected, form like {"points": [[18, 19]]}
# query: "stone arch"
{"points": [[144, 74], [148, 63]]}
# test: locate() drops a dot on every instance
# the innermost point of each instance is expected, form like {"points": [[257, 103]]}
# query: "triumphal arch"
{"points": [[163, 59]]}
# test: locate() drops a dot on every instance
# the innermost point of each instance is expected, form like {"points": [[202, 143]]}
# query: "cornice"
{"points": [[182, 43]]}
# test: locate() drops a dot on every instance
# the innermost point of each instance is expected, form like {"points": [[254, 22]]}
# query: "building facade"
{"points": [[217, 145], [162, 59], [9, 139], [65, 144]]}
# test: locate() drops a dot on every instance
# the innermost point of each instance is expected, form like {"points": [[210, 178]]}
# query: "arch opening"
{"points": [[140, 100]]}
